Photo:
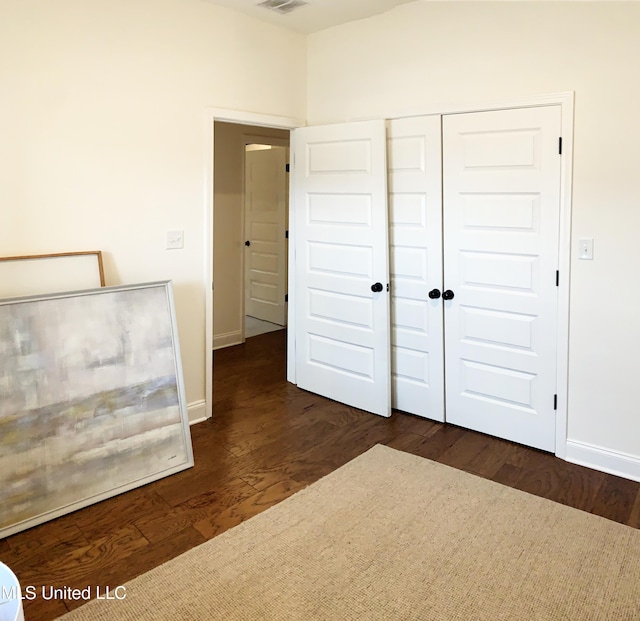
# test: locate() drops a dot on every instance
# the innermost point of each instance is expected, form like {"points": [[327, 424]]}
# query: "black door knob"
{"points": [[447, 295], [434, 294], [377, 287], [247, 243]]}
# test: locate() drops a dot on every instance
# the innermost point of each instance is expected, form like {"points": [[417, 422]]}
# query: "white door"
{"points": [[265, 228], [501, 223], [341, 244], [415, 235]]}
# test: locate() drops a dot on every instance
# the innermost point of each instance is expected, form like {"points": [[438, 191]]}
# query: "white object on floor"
{"points": [[10, 596], [254, 327]]}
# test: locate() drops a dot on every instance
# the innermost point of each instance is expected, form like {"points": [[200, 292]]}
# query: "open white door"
{"points": [[265, 228], [501, 224], [342, 322], [415, 231]]}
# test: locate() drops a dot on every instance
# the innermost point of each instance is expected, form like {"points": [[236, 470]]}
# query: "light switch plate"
{"points": [[585, 248], [175, 240]]}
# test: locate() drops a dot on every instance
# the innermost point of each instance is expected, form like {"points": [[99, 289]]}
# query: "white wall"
{"points": [[102, 133], [424, 54]]}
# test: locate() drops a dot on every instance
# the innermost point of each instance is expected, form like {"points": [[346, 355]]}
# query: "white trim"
{"points": [[208, 265], [270, 140], [591, 456], [291, 273], [197, 420], [243, 254], [566, 101], [253, 118], [481, 105], [197, 411], [228, 339], [233, 116]]}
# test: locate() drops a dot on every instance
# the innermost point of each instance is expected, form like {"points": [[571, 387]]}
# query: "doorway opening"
{"points": [[250, 214], [217, 186]]}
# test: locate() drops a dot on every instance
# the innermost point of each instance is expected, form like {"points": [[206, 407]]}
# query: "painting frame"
{"points": [[42, 274], [92, 400]]}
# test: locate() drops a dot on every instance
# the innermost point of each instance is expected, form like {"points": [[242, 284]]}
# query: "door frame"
{"points": [[566, 102], [211, 115]]}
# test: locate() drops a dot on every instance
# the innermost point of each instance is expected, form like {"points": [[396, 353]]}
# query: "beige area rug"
{"points": [[391, 536]]}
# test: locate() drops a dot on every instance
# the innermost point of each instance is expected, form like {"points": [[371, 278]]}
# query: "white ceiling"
{"points": [[316, 15], [321, 14]]}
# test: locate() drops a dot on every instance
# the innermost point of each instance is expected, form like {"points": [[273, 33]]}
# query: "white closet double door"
{"points": [[467, 331]]}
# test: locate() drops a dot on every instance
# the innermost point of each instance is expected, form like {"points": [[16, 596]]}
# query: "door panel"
{"points": [[415, 225], [501, 224], [342, 326], [265, 227]]}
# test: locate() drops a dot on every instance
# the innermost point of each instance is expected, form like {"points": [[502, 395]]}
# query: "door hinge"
{"points": [[288, 168], [555, 402], [557, 278], [286, 297], [560, 145], [286, 234]]}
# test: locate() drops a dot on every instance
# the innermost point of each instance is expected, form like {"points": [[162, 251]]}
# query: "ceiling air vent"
{"points": [[282, 6]]}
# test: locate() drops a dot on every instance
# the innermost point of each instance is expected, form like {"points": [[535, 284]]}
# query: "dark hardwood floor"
{"points": [[266, 441]]}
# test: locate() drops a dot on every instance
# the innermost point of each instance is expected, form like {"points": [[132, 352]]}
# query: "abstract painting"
{"points": [[91, 399]]}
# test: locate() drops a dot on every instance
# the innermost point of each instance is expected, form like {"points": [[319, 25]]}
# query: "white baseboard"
{"points": [[197, 412], [227, 339], [605, 460]]}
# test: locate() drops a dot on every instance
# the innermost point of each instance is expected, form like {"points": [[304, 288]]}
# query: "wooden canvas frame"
{"points": [[39, 274], [93, 400]]}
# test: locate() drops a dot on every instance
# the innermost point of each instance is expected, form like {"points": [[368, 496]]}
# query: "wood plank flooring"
{"points": [[266, 441]]}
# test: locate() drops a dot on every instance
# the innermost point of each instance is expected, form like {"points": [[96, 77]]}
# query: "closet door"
{"points": [[415, 236], [501, 223], [342, 271]]}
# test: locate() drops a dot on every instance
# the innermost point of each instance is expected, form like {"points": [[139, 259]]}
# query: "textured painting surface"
{"points": [[89, 399]]}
